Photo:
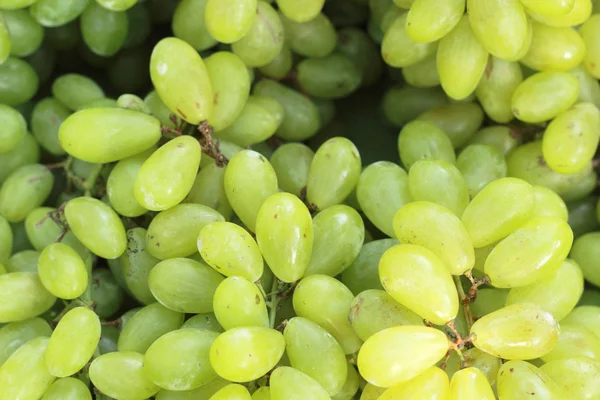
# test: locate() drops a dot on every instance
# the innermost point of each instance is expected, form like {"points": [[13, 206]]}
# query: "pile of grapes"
{"points": [[299, 199]]}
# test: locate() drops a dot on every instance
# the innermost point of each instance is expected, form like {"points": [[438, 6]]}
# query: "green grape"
{"points": [[24, 375], [363, 273], [46, 118], [300, 11], [532, 252], [135, 265], [461, 60], [73, 90], [203, 392], [584, 187], [159, 110], [470, 384], [440, 182], [516, 332], [23, 261], [5, 42], [475, 358], [291, 384], [371, 392], [265, 39], [330, 77], [374, 310], [409, 273], [583, 216], [230, 83], [117, 5], [498, 136], [176, 68], [184, 285], [26, 35], [104, 31], [402, 104], [350, 388], [332, 316], [57, 13], [398, 354], [356, 45], [24, 190], [489, 300], [204, 322], [576, 376], [106, 293], [67, 389], [20, 240], [518, 379], [73, 342], [314, 38], [544, 95], [589, 88], [552, 7], [232, 392], [23, 296], [428, 21], [589, 31], [100, 103], [121, 375], [209, 190], [496, 87], [167, 176], [146, 326], [263, 393], [585, 317], [18, 82], [574, 341], [291, 163], [229, 20], [584, 253], [421, 139], [16, 334], [14, 129], [423, 74], [109, 335], [280, 66], [548, 204], [555, 49], [301, 120], [480, 165], [399, 50], [577, 15], [133, 102], [188, 24], [458, 120], [62, 271], [239, 302], [339, 234], [108, 238], [431, 384], [119, 186], [316, 353], [103, 135], [260, 118], [246, 353]]}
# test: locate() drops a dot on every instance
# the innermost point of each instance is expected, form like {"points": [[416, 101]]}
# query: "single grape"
{"points": [[291, 384], [238, 302], [431, 384], [62, 271]]}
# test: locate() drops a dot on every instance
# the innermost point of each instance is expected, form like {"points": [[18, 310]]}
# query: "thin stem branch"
{"points": [[274, 302], [462, 296]]}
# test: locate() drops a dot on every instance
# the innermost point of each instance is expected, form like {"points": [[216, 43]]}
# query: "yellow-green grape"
{"points": [[14, 128], [581, 11], [440, 182], [301, 119], [119, 186], [475, 358], [291, 163], [548, 204], [108, 238], [24, 375], [43, 231], [74, 90], [6, 240], [104, 31], [159, 110], [585, 253], [544, 95], [589, 32], [481, 164], [19, 81], [431, 384], [229, 20], [436, 228], [381, 191], [300, 11], [518, 379], [23, 296], [422, 139], [574, 341], [121, 375], [374, 310], [363, 273], [238, 302], [459, 120], [570, 140], [554, 49], [230, 83], [25, 189], [230, 250], [516, 332], [184, 285], [501, 26], [339, 233], [232, 392], [16, 334], [470, 384], [350, 388], [73, 342], [288, 383], [46, 118], [330, 77], [62, 271], [496, 87], [280, 66], [314, 38], [398, 354], [100, 103], [5, 43], [103, 135], [428, 21], [399, 50], [402, 104], [423, 74], [56, 13], [26, 35], [67, 389], [416, 278], [188, 24], [498, 136], [371, 392], [552, 7], [577, 376], [203, 392], [209, 189], [461, 61], [246, 353], [23, 261], [583, 216], [489, 300], [488, 220], [181, 80], [534, 251], [316, 353], [117, 5], [135, 265], [589, 88], [179, 360]]}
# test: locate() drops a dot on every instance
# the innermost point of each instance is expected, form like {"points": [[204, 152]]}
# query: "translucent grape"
{"points": [[23, 261], [46, 118], [188, 24], [232, 392], [576, 376], [238, 302], [291, 163], [429, 21], [204, 322], [350, 388], [574, 341], [5, 44], [228, 21], [399, 50], [26, 35], [103, 31], [585, 316], [371, 392], [314, 38], [290, 384], [518, 379], [23, 296], [480, 165], [423, 74], [496, 88], [16, 334], [18, 81], [74, 90], [363, 273], [57, 13], [209, 190], [62, 271], [25, 189], [589, 33], [67, 389], [589, 88], [14, 129], [459, 120], [554, 49], [300, 11], [420, 139], [475, 358], [548, 203], [584, 252], [431, 384], [552, 7]]}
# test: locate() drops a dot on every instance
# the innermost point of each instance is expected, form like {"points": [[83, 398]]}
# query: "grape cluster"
{"points": [[299, 199]]}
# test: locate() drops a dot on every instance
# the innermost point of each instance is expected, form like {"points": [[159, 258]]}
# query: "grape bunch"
{"points": [[299, 199]]}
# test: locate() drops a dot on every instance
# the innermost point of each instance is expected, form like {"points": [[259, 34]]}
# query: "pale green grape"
{"points": [[548, 203], [62, 271], [496, 87], [576, 16], [46, 118], [516, 332], [402, 104], [280, 66], [489, 300], [578, 376], [238, 302], [247, 353], [119, 186], [43, 231], [554, 49], [135, 265], [315, 352], [284, 233], [188, 24], [399, 50], [23, 261], [498, 136], [428, 21], [534, 251], [552, 7], [374, 310], [518, 379], [589, 33], [104, 31], [5, 44], [583, 215], [314, 38], [229, 20], [18, 81], [6, 240], [480, 165], [121, 375], [330, 77], [363, 273], [14, 129], [73, 342], [209, 190], [184, 285], [371, 392], [423, 74], [291, 163], [24, 375], [67, 389], [203, 392], [339, 233], [350, 388], [421, 139], [16, 334], [470, 384], [431, 384], [106, 293], [74, 90], [133, 102], [117, 5], [26, 35], [416, 278], [300, 11], [290, 384], [589, 88], [25, 189], [475, 358], [584, 252], [232, 392], [459, 120], [22, 296], [146, 326], [437, 229], [57, 13], [574, 341], [585, 316], [331, 315], [262, 393], [176, 69]]}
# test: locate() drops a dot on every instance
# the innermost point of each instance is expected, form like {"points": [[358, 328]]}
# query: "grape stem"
{"points": [[463, 296], [475, 283], [56, 217], [210, 146], [274, 302]]}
